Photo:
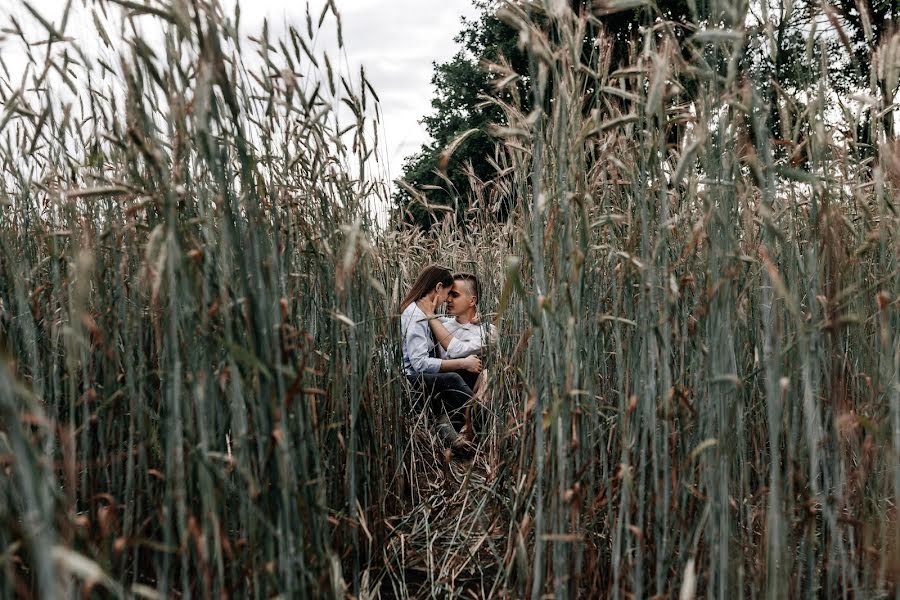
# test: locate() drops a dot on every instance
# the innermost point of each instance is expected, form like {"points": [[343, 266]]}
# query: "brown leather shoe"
{"points": [[451, 439], [462, 447]]}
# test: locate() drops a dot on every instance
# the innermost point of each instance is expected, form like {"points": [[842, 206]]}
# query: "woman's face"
{"points": [[442, 293]]}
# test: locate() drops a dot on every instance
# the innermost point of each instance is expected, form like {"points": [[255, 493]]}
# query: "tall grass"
{"points": [[695, 389]]}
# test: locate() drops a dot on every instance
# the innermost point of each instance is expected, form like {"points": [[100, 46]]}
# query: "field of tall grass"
{"points": [[696, 387]]}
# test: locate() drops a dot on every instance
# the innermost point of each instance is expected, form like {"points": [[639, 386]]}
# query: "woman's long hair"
{"points": [[426, 282]]}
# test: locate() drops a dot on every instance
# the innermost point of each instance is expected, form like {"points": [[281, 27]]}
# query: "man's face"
{"points": [[460, 298]]}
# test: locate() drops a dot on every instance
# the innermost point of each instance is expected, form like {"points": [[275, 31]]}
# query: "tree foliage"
{"points": [[457, 107], [787, 62], [462, 83]]}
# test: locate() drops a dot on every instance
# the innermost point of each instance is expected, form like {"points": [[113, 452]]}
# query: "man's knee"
{"points": [[455, 381]]}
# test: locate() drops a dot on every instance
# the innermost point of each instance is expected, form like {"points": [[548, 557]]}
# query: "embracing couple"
{"points": [[442, 355]]}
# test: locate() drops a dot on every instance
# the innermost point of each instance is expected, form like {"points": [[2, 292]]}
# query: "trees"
{"points": [[783, 66], [461, 84], [457, 107], [805, 43], [867, 24]]}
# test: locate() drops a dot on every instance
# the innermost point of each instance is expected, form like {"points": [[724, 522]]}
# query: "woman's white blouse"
{"points": [[418, 342]]}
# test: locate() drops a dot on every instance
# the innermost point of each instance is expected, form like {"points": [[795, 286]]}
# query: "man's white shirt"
{"points": [[467, 339]]}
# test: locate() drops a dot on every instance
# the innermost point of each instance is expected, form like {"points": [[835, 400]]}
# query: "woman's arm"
{"points": [[441, 334], [428, 306], [417, 344]]}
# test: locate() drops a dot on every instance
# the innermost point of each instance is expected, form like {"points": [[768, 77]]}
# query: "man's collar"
{"points": [[467, 322]]}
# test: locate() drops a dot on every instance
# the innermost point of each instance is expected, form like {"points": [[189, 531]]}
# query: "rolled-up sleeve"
{"points": [[458, 348], [417, 343]]}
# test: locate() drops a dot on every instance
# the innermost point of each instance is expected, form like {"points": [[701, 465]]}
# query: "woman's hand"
{"points": [[472, 363], [428, 305]]}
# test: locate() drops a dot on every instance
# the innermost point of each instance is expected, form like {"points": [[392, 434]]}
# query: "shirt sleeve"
{"points": [[459, 348], [417, 343]]}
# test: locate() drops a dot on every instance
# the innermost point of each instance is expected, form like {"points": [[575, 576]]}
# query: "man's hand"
{"points": [[472, 363]]}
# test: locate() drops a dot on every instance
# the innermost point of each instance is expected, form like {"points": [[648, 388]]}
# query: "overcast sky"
{"points": [[396, 40]]}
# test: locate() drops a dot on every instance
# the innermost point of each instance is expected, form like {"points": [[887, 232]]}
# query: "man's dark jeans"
{"points": [[447, 392]]}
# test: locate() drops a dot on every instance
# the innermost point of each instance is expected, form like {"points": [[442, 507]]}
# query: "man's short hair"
{"points": [[473, 282]]}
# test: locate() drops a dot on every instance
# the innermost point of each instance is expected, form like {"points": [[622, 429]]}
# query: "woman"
{"points": [[437, 378]]}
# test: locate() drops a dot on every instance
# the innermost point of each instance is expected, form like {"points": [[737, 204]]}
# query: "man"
{"points": [[463, 333]]}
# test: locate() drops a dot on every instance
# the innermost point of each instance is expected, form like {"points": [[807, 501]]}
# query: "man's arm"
{"points": [[418, 345], [454, 345], [470, 363], [464, 343]]}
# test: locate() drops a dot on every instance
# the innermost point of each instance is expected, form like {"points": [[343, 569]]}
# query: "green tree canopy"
{"points": [[462, 83], [458, 105]]}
